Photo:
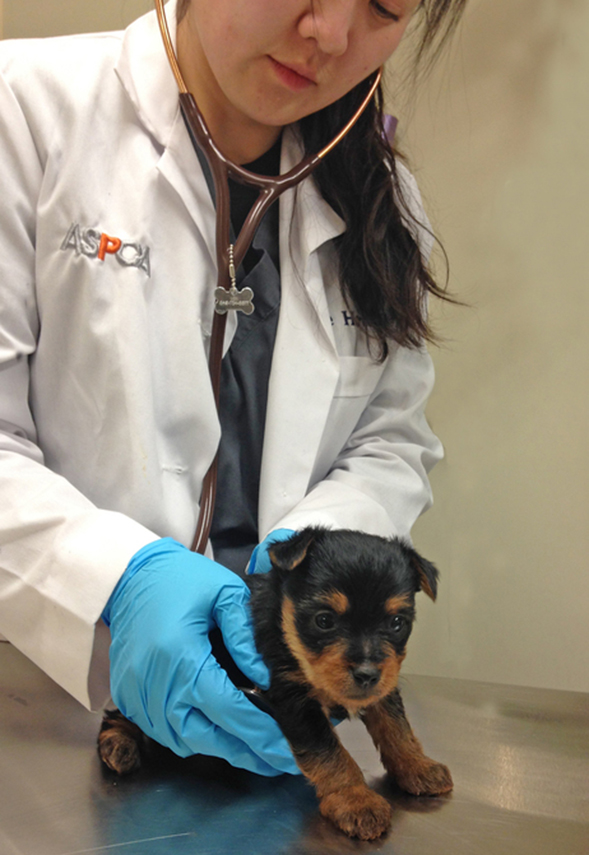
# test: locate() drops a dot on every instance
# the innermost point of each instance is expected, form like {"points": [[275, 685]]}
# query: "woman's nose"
{"points": [[329, 22]]}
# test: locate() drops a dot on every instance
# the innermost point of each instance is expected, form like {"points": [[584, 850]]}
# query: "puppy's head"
{"points": [[348, 609]]}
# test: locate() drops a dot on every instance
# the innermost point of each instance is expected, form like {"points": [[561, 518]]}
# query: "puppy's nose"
{"points": [[366, 676]]}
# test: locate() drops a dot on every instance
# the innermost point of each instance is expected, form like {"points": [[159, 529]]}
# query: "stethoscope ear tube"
{"points": [[271, 187], [229, 256]]}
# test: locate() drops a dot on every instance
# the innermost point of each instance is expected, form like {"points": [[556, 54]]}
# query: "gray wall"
{"points": [[497, 139], [25, 18]]}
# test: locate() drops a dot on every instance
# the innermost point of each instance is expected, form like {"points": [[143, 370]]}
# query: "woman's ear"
{"points": [[288, 554]]}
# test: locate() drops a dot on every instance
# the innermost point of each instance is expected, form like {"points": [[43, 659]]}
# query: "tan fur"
{"points": [[295, 561], [423, 580], [118, 745], [330, 773], [329, 674], [358, 812], [402, 754], [337, 601], [390, 673], [344, 797], [395, 604]]}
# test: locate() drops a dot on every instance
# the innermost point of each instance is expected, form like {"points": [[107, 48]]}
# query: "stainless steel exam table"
{"points": [[519, 757]]}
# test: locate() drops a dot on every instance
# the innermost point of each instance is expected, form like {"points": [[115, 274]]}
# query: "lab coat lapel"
{"points": [[180, 166], [305, 365], [144, 72], [307, 222]]}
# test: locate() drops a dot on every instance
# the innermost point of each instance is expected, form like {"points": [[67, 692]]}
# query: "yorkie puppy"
{"points": [[332, 619]]}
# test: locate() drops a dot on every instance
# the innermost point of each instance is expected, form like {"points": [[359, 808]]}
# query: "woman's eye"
{"points": [[325, 620], [383, 12]]}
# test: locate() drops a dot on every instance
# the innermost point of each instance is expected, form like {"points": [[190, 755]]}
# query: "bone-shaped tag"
{"points": [[240, 301]]}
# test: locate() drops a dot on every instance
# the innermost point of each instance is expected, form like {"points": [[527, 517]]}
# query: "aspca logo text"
{"points": [[95, 244]]}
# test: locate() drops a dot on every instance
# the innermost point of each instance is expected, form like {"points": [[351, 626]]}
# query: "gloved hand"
{"points": [[163, 674], [260, 560]]}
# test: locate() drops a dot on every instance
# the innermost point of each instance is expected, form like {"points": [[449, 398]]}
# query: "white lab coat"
{"points": [[107, 418]]}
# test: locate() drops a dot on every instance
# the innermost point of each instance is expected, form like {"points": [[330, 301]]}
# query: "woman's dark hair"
{"points": [[384, 279]]}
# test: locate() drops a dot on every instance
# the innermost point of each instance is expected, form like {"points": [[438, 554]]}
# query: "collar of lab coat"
{"points": [[144, 72]]}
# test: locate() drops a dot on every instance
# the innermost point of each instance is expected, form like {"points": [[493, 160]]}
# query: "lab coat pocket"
{"points": [[358, 377]]}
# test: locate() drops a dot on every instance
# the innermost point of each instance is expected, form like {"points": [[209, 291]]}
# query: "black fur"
{"points": [[332, 619], [367, 569]]}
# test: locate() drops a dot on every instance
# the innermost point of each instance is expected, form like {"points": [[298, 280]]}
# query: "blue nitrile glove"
{"points": [[163, 674], [260, 560]]}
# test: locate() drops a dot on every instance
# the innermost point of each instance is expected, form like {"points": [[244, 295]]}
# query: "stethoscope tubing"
{"points": [[230, 256]]}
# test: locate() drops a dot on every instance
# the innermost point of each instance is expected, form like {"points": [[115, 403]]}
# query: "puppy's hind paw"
{"points": [[119, 743], [358, 812], [425, 778]]}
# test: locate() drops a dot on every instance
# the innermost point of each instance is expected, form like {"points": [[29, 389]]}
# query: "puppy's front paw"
{"points": [[425, 778], [357, 811]]}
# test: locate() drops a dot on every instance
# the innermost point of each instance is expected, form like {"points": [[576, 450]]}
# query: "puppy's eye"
{"points": [[325, 620], [397, 624]]}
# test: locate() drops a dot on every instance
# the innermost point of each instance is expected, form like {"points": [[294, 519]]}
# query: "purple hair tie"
{"points": [[389, 124]]}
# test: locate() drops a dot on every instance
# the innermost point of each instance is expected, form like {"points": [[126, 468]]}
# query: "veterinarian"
{"points": [[108, 422]]}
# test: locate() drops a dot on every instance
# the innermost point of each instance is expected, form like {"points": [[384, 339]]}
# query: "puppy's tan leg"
{"points": [[344, 797], [401, 752], [119, 743]]}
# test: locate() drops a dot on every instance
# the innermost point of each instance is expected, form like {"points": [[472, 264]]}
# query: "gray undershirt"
{"points": [[245, 372]]}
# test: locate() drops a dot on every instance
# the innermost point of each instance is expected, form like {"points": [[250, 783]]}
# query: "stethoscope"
{"points": [[230, 255]]}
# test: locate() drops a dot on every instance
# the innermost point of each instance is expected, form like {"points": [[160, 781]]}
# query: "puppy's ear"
{"points": [[288, 554], [426, 574]]}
